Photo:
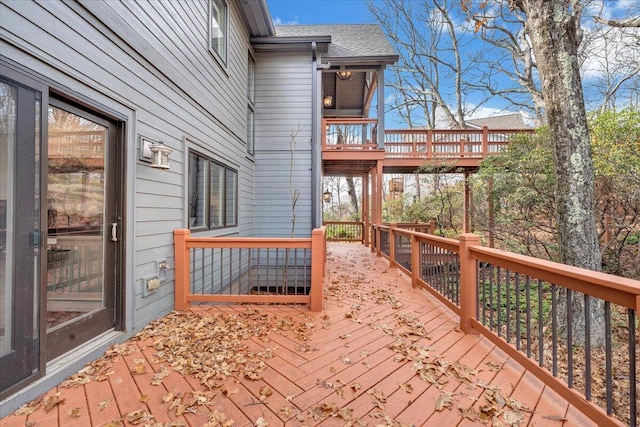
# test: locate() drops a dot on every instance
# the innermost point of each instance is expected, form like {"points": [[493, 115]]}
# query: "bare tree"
{"points": [[610, 55], [504, 28], [432, 76], [633, 22]]}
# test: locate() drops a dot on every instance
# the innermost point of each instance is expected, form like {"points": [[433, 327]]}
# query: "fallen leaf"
{"points": [[139, 370], [265, 392], [444, 401], [139, 416], [406, 387], [218, 419], [261, 422], [286, 411], [51, 401], [104, 404], [75, 413]]}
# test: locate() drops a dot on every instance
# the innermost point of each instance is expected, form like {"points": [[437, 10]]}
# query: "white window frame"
{"points": [[219, 14]]}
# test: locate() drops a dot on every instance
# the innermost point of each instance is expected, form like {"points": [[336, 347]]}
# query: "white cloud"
{"points": [[278, 21]]}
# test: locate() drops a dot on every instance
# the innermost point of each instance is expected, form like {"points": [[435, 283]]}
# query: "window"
{"points": [[251, 72], [213, 193], [250, 133], [218, 28]]}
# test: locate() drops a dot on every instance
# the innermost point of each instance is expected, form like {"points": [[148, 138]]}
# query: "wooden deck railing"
{"points": [[249, 270], [447, 143], [520, 304], [344, 231], [360, 134], [353, 134]]}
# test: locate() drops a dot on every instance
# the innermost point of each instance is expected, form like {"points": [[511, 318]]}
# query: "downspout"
{"points": [[316, 167]]}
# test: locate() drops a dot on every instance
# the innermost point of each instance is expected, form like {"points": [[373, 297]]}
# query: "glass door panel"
{"points": [[79, 303], [75, 217], [19, 233]]}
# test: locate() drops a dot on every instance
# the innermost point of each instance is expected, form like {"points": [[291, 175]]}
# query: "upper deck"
{"points": [[351, 147]]}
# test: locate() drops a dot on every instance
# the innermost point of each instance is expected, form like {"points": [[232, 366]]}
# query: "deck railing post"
{"points": [[416, 267], [429, 143], [432, 227], [468, 291], [392, 244], [181, 257], [318, 247]]}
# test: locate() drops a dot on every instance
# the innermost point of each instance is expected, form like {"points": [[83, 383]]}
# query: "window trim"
{"points": [[220, 58], [226, 222]]}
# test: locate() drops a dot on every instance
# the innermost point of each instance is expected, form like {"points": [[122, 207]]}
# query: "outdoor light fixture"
{"points": [[326, 196], [160, 155], [346, 75], [327, 101]]}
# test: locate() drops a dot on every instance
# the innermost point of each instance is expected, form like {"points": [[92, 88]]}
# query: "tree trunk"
{"points": [[554, 28], [351, 189]]}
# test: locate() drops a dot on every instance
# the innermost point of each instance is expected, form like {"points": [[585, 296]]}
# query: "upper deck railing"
{"points": [[361, 134]]}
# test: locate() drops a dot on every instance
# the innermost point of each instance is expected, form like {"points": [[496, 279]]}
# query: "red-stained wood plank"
{"points": [[42, 416], [142, 373], [101, 402], [125, 390], [14, 421], [550, 411], [74, 411], [577, 418], [504, 381], [423, 406]]}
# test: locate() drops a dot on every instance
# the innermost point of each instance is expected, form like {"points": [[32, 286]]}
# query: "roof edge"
{"points": [[289, 43], [383, 59], [257, 17]]}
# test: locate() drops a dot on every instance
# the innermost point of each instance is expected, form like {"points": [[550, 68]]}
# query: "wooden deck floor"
{"points": [[381, 353]]}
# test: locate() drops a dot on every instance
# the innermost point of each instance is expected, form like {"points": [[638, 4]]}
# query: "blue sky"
{"points": [[319, 11]]}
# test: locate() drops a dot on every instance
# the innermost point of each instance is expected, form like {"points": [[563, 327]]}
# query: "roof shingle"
{"points": [[347, 40]]}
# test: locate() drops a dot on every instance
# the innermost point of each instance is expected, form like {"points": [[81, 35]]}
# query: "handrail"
{"points": [[473, 278], [615, 289], [244, 263]]}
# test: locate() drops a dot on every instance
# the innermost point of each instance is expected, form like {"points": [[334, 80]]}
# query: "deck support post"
{"points": [[378, 195], [468, 286], [318, 259], [365, 209], [467, 204], [485, 141], [432, 227], [181, 260]]}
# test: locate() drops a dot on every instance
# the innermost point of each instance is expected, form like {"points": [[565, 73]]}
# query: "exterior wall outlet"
{"points": [[150, 285], [153, 284]]}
